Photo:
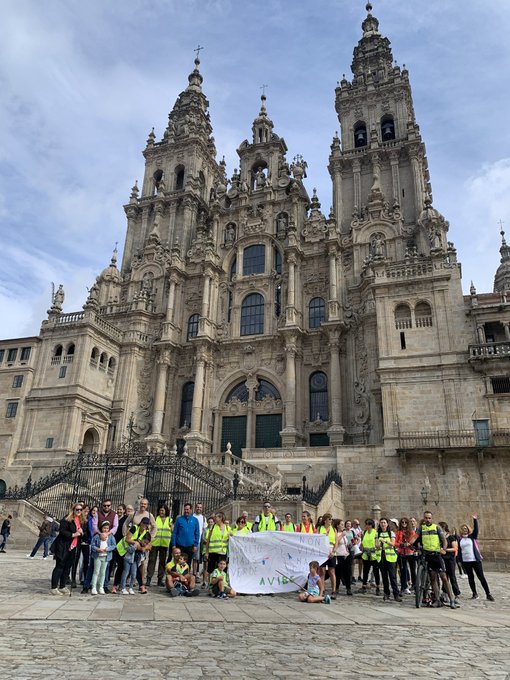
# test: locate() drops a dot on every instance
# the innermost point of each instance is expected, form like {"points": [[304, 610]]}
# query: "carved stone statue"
{"points": [[230, 233], [58, 298], [260, 179]]}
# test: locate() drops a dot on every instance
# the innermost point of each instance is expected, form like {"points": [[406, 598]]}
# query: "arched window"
{"points": [[266, 389], [233, 269], [278, 300], [70, 350], [316, 312], [387, 128], [157, 177], [193, 326], [111, 365], [277, 261], [252, 315], [360, 135], [423, 315], [403, 316], [254, 260], [319, 396], [240, 392], [58, 351], [186, 404], [179, 177], [94, 354], [103, 360]]}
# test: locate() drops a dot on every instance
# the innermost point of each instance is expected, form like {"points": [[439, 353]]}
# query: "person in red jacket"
{"points": [[406, 555]]}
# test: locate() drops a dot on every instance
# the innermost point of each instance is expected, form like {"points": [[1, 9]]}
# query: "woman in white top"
{"points": [[343, 567], [471, 558]]}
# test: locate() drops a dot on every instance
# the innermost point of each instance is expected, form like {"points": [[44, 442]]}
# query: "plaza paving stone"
{"points": [[157, 637]]}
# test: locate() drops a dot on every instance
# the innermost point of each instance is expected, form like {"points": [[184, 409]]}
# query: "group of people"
{"points": [[115, 550]]}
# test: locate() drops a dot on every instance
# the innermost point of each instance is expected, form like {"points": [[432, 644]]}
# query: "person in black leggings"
{"points": [[471, 558]]}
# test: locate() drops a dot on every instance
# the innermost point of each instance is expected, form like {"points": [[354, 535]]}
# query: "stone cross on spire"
{"points": [[263, 87], [197, 50]]}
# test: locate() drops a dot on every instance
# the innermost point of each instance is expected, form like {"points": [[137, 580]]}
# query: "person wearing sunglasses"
{"points": [[106, 514], [241, 527], [64, 549]]}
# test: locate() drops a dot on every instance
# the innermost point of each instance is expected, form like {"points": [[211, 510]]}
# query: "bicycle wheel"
{"points": [[421, 577]]}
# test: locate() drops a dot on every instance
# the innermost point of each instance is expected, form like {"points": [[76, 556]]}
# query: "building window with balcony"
{"points": [[252, 315], [57, 355], [423, 315], [254, 260], [12, 409], [2, 353], [17, 381], [403, 317], [316, 312], [193, 322]]}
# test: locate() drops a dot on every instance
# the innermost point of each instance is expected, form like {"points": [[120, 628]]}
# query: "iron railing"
{"points": [[314, 496]]}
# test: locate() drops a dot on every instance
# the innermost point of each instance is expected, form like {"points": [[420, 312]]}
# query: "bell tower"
{"points": [[378, 165]]}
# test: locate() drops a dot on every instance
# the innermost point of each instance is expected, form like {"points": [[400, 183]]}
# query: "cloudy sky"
{"points": [[83, 82]]}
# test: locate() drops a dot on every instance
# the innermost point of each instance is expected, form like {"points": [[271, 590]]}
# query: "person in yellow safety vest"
{"points": [[160, 545], [434, 544], [207, 533], [385, 543], [370, 555], [266, 521], [248, 523], [217, 543], [288, 524], [306, 526], [330, 564], [240, 527], [139, 535]]}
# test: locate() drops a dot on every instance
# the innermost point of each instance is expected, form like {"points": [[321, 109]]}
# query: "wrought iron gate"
{"points": [[130, 471]]}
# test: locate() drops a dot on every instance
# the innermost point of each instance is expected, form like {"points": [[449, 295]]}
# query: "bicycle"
{"points": [[422, 575]]}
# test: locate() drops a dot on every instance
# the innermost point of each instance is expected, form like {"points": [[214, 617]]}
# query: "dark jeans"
{"points": [[449, 563], [366, 570], [407, 564], [5, 538], [44, 541], [389, 577], [158, 553], [476, 567], [343, 571], [62, 568]]}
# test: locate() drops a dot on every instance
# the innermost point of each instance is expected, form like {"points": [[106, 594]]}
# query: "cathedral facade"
{"points": [[242, 318]]}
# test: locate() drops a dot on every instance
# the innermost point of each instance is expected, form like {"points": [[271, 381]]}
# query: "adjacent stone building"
{"points": [[242, 315]]}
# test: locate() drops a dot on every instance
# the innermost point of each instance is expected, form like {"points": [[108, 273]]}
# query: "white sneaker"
{"points": [[64, 591], [55, 591], [93, 591], [124, 592], [101, 591], [131, 591], [406, 592], [44, 558], [30, 557]]}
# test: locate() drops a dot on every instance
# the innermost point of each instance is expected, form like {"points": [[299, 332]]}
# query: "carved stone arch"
{"points": [[147, 268], [363, 235]]}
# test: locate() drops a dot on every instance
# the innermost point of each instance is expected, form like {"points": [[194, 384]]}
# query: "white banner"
{"points": [[268, 561]]}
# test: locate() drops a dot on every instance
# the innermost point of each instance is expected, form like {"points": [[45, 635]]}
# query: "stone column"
{"points": [[356, 169], [333, 286], [289, 433], [171, 301], [506, 327], [205, 296], [395, 176], [418, 185], [160, 396], [336, 432], [198, 393]]}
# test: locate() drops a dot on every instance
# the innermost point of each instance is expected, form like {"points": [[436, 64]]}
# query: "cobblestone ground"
{"points": [[155, 637]]}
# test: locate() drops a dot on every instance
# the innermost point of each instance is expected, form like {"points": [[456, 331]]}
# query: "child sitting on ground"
{"points": [[179, 581], [219, 582], [314, 586]]}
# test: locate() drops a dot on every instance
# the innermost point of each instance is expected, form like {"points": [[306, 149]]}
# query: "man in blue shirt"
{"points": [[186, 533]]}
